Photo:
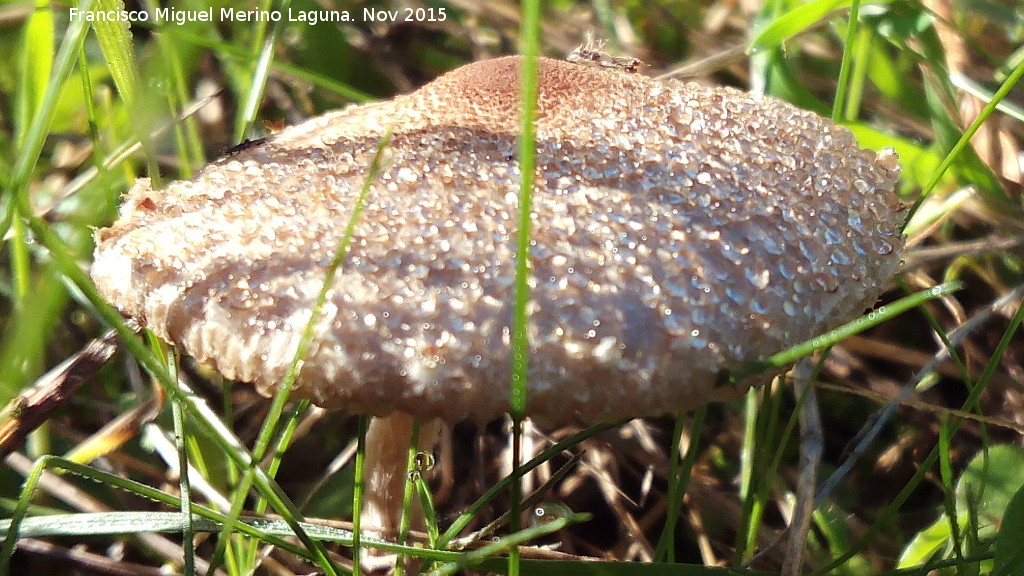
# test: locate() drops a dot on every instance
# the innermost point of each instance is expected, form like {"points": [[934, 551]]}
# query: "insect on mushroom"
{"points": [[591, 54], [710, 231]]}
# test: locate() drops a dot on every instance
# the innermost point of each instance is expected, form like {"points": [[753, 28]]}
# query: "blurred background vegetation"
{"points": [[84, 111]]}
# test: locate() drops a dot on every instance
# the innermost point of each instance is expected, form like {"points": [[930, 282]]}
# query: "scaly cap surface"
{"points": [[679, 232]]}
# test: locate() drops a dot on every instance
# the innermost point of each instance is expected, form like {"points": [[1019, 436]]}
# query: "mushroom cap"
{"points": [[679, 232]]}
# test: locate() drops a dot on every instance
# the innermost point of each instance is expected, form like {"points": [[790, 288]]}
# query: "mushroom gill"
{"points": [[680, 232]]}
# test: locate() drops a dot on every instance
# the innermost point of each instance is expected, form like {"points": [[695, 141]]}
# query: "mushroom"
{"points": [[680, 233]]}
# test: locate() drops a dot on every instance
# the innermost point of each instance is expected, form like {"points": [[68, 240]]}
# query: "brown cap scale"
{"points": [[679, 232]]}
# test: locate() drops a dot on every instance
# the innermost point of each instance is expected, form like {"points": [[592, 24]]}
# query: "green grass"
{"points": [[920, 405]]}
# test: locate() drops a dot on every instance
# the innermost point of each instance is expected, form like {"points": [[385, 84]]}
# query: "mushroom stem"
{"points": [[387, 452]]}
